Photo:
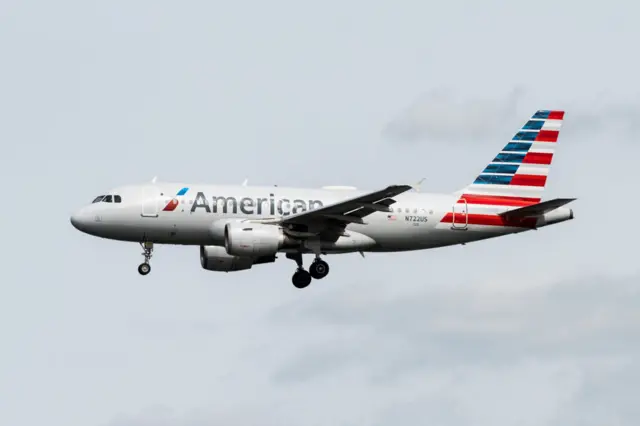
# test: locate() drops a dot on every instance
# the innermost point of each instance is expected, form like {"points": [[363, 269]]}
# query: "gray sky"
{"points": [[533, 330]]}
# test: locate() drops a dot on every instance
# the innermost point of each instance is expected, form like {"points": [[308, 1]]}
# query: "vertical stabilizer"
{"points": [[518, 174]]}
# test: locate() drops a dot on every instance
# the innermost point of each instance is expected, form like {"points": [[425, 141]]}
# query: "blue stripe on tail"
{"points": [[525, 136], [517, 147], [533, 125], [508, 158], [501, 168], [493, 179]]}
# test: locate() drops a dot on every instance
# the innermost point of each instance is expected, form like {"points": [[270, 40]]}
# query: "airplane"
{"points": [[237, 227]]}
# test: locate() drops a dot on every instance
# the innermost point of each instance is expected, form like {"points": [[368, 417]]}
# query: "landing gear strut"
{"points": [[301, 278], [144, 267]]}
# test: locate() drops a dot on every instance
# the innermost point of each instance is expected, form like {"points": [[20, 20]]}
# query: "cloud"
{"points": [[607, 395], [546, 353], [444, 115], [604, 113], [593, 316]]}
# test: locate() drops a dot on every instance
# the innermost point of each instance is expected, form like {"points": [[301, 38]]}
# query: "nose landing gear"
{"points": [[301, 278], [145, 267]]}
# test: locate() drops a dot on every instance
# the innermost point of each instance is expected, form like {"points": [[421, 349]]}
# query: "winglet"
{"points": [[416, 186]]}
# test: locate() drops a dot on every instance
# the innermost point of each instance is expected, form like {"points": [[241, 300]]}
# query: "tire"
{"points": [[319, 269], [144, 269], [301, 279]]}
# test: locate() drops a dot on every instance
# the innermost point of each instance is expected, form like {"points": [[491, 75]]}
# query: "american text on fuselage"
{"points": [[253, 206]]}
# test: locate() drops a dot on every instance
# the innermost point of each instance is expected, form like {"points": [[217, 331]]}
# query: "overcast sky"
{"points": [[535, 329]]}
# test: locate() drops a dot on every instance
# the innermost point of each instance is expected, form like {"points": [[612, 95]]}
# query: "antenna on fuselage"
{"points": [[154, 179], [245, 182]]}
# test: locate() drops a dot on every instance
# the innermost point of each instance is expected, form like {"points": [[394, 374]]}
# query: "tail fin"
{"points": [[518, 174]]}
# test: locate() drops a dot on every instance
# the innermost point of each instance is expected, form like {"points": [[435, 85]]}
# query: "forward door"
{"points": [[150, 199]]}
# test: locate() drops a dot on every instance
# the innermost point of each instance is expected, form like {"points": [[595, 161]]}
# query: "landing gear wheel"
{"points": [[301, 278], [319, 269], [147, 252], [144, 268]]}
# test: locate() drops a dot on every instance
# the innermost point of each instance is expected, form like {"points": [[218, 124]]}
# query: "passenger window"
{"points": [[107, 199], [117, 199]]}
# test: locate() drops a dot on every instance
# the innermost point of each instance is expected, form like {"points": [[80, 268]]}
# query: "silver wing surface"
{"points": [[333, 218]]}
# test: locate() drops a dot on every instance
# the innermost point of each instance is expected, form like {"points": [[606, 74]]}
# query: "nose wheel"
{"points": [[147, 252], [144, 268], [301, 278]]}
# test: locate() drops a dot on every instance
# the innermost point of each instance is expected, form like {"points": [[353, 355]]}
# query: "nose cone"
{"points": [[80, 220]]}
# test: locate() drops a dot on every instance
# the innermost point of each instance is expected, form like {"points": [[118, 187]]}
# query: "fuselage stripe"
{"points": [[489, 220], [497, 200]]}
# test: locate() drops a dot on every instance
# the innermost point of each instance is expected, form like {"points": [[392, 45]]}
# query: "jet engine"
{"points": [[253, 239], [215, 258]]}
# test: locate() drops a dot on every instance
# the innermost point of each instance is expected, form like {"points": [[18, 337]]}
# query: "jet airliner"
{"points": [[237, 227]]}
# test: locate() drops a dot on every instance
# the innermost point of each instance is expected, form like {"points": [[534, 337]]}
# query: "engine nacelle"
{"points": [[215, 258], [253, 239]]}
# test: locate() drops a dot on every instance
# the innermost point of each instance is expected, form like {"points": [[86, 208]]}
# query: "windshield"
{"points": [[107, 199]]}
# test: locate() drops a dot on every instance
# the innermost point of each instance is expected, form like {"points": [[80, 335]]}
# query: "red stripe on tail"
{"points": [[528, 180], [556, 115], [537, 158], [547, 136]]}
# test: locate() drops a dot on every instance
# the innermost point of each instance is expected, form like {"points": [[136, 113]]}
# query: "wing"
{"points": [[348, 211]]}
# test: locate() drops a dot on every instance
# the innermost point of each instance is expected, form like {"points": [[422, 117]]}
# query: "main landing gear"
{"points": [[144, 267], [301, 278]]}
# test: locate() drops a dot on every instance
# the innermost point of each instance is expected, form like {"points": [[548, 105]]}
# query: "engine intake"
{"points": [[253, 239]]}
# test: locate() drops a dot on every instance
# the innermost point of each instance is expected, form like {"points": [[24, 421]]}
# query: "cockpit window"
{"points": [[107, 199]]}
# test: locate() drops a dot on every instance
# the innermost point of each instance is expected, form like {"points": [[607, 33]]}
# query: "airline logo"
{"points": [[246, 205], [171, 205], [516, 177]]}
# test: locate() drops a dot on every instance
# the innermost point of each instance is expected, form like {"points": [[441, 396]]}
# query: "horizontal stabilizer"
{"points": [[537, 209]]}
